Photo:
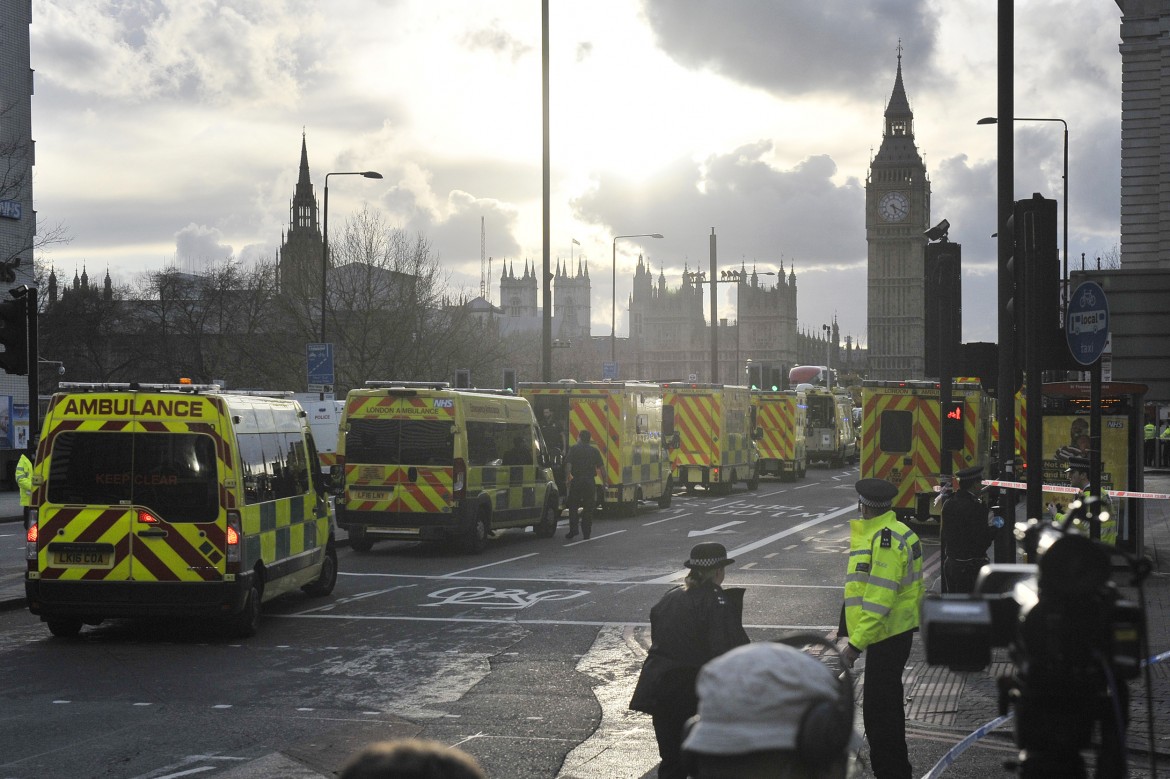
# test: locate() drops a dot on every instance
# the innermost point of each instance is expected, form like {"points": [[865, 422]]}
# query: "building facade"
{"points": [[300, 257], [897, 213], [519, 301]]}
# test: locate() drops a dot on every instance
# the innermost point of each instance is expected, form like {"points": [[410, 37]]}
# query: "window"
{"points": [[173, 474], [399, 442], [895, 431]]}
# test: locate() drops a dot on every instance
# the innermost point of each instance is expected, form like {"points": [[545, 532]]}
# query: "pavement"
{"points": [[938, 700]]}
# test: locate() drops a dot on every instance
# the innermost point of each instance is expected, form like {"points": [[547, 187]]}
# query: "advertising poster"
{"points": [[1067, 436], [20, 425], [6, 422]]}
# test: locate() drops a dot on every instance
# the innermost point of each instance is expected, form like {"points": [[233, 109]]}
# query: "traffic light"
{"points": [[14, 336], [462, 378], [510, 379], [943, 305], [775, 380], [1038, 262], [952, 426], [755, 376]]}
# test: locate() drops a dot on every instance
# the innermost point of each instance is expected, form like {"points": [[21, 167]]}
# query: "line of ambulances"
{"points": [[189, 501]]}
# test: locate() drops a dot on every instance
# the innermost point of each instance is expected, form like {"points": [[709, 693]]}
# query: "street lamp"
{"points": [[613, 307], [828, 356], [370, 174], [1064, 276]]}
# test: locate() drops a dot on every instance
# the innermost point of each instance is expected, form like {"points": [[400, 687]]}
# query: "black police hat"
{"points": [[970, 474], [1078, 464], [876, 493], [708, 555]]}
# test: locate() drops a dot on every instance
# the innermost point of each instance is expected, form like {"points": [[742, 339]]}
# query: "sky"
{"points": [[168, 132]]}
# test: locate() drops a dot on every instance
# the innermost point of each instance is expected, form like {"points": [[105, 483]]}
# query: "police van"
{"points": [[174, 500], [422, 461]]}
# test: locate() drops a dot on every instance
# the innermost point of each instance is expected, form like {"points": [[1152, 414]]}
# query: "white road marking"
{"points": [[594, 538], [489, 565], [716, 529], [667, 519]]}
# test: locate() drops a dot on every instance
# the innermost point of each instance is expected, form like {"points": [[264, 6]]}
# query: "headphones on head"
{"points": [[825, 726]]}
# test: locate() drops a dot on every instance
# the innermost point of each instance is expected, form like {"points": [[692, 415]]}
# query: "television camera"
{"points": [[1073, 639]]}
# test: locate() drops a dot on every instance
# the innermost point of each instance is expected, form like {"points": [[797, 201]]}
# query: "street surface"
{"points": [[524, 656]]}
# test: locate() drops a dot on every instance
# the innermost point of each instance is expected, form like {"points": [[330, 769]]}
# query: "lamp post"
{"points": [[1064, 275], [725, 277], [613, 307], [828, 356], [370, 174], [737, 276]]}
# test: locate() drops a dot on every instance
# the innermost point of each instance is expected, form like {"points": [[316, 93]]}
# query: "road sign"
{"points": [[1086, 323], [320, 362], [609, 370]]}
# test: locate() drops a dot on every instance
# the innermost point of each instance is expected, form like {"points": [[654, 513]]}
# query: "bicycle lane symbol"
{"points": [[491, 598]]}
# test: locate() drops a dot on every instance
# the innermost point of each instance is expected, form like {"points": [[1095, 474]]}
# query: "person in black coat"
{"points": [[965, 534], [690, 625]]}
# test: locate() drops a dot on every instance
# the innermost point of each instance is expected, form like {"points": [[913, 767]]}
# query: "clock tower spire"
{"points": [[897, 213]]}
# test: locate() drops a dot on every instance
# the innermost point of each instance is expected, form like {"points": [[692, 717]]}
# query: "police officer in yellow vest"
{"points": [[1164, 445], [883, 594], [1151, 433], [24, 469], [1078, 476]]}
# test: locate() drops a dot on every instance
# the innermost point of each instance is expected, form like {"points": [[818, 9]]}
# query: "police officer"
{"points": [[24, 468], [1150, 434], [883, 594], [1078, 476], [965, 534], [581, 464], [554, 437], [1164, 445]]}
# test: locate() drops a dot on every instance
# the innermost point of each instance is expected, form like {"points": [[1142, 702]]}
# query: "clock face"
{"points": [[894, 207]]}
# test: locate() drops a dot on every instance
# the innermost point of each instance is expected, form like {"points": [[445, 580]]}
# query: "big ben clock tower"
{"points": [[897, 213]]}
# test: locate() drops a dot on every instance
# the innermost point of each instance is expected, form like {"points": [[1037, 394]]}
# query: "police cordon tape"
{"points": [[1019, 485]]}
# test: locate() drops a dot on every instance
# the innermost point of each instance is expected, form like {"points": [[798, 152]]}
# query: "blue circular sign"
{"points": [[1086, 323]]}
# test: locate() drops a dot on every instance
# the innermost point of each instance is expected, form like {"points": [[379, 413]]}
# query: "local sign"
{"points": [[1086, 324]]}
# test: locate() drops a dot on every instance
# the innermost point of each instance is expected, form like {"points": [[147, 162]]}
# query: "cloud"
{"points": [[794, 48], [200, 244], [497, 41]]}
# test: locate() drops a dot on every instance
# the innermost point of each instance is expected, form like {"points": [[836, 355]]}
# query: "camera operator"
{"points": [[883, 595], [965, 534]]}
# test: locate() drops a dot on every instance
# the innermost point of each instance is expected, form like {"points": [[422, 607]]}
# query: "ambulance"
{"points": [[712, 430], [829, 435], [902, 437], [423, 462], [174, 500], [624, 420], [782, 417]]}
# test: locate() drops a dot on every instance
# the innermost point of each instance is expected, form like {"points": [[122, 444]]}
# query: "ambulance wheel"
{"points": [[547, 527], [664, 498], [475, 541], [690, 489], [327, 579], [753, 483], [65, 627], [247, 622]]}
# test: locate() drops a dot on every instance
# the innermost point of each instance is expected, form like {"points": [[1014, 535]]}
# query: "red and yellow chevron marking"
{"points": [[397, 407], [599, 414], [697, 419], [430, 492], [910, 471], [777, 417]]}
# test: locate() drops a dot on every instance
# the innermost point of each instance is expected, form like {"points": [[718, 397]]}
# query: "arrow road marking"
{"points": [[716, 529]]}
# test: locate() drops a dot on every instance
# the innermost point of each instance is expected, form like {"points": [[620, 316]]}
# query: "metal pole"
{"points": [[1005, 549], [1064, 276], [714, 315], [34, 352], [546, 278], [324, 253], [613, 308]]}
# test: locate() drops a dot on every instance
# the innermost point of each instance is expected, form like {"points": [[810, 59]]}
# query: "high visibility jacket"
{"points": [[1150, 430], [1165, 436], [883, 582], [1108, 527], [24, 479]]}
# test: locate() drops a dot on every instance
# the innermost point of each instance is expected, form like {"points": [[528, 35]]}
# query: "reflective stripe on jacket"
{"points": [[1108, 527], [883, 583]]}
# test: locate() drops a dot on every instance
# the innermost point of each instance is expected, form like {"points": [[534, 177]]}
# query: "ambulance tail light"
{"points": [[146, 518], [459, 479], [31, 535], [232, 537]]}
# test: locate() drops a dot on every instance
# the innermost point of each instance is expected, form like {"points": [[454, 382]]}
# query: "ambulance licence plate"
{"points": [[369, 495], [75, 557]]}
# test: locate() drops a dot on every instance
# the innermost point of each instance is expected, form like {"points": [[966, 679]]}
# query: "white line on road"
{"points": [[618, 583], [489, 565], [765, 541], [594, 538], [655, 522], [494, 621]]}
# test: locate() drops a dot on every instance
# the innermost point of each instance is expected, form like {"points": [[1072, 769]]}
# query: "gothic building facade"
{"points": [[897, 213], [300, 255], [519, 296]]}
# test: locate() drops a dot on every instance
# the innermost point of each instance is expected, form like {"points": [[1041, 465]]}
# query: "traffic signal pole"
{"points": [[34, 359], [1004, 546]]}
